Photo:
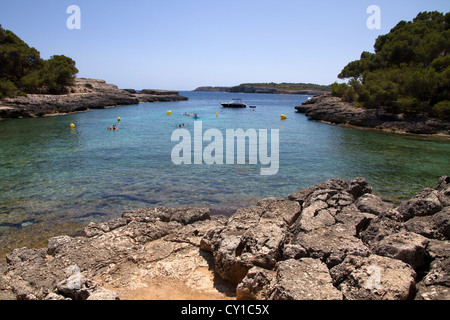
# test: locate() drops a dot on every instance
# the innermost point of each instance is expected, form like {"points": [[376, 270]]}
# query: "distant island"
{"points": [[271, 88]]}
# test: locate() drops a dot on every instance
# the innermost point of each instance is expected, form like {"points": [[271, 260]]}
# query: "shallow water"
{"points": [[53, 179]]}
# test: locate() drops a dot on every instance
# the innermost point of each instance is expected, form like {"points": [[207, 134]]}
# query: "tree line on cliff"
{"points": [[409, 71], [23, 71]]}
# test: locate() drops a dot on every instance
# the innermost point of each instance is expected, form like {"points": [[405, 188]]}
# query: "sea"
{"points": [[54, 180]]}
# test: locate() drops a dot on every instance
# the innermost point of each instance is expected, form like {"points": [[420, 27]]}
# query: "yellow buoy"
{"points": [[169, 113], [217, 114], [118, 118], [72, 126], [283, 117]]}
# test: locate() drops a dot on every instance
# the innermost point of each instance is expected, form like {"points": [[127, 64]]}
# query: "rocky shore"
{"points": [[336, 240], [332, 109], [84, 95]]}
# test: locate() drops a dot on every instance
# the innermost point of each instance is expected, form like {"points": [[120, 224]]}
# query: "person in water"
{"points": [[114, 127]]}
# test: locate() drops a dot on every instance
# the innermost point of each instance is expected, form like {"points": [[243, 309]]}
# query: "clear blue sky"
{"points": [[183, 44]]}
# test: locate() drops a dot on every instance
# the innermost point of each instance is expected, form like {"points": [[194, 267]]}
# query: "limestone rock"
{"points": [[374, 278], [253, 236], [85, 94], [383, 225], [152, 95], [331, 241], [406, 246], [331, 109], [424, 204], [436, 226], [88, 94], [76, 267], [333, 184], [304, 279], [435, 285], [256, 285], [358, 187], [443, 187], [373, 204], [331, 245]]}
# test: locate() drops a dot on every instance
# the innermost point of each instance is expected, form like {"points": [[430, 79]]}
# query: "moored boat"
{"points": [[235, 103]]}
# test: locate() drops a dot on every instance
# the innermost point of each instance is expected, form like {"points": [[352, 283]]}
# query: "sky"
{"points": [[184, 44]]}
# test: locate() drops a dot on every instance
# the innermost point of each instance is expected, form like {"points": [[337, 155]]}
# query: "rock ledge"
{"points": [[335, 240], [331, 109]]}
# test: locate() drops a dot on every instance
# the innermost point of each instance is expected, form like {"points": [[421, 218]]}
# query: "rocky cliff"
{"points": [[336, 240], [332, 109], [85, 94]]}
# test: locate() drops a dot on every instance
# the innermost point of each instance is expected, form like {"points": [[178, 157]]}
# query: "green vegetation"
{"points": [[22, 70], [409, 71], [289, 86]]}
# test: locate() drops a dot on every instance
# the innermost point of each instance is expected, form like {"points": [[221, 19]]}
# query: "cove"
{"points": [[62, 179]]}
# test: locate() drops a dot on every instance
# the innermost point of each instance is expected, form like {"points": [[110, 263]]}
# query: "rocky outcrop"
{"points": [[84, 95], [149, 249], [336, 240], [151, 95], [341, 242], [332, 109]]}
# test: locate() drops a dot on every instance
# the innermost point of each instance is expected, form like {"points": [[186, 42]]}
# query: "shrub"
{"points": [[7, 88], [442, 110], [409, 71]]}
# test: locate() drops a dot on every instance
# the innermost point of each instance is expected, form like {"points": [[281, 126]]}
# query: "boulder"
{"points": [[253, 236], [373, 204], [424, 204], [333, 184], [332, 203], [408, 247], [435, 284], [304, 279], [374, 278], [436, 226], [383, 225], [358, 187], [77, 287], [331, 245], [443, 187], [256, 285]]}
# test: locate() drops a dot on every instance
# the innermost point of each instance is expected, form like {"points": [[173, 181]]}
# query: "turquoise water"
{"points": [[54, 179]]}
